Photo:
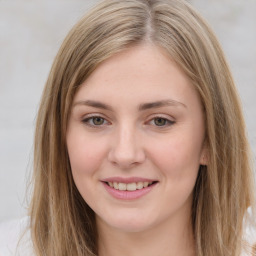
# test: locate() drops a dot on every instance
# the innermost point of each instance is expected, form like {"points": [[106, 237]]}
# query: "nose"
{"points": [[126, 149]]}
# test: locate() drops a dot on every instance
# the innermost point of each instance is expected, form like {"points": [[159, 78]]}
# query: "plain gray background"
{"points": [[30, 35]]}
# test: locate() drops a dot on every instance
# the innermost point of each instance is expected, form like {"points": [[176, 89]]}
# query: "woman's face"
{"points": [[135, 140]]}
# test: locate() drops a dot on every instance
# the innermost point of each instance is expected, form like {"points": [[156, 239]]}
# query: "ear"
{"points": [[204, 157]]}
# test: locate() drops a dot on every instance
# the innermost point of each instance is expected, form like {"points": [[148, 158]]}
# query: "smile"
{"points": [[129, 186]]}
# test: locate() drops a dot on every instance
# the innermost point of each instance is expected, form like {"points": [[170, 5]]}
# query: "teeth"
{"points": [[145, 184], [139, 185], [129, 186], [115, 185], [121, 186]]}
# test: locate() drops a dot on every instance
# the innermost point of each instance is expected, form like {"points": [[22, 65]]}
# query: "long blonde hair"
{"points": [[61, 221]]}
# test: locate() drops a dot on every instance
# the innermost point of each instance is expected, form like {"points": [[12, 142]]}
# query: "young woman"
{"points": [[140, 145]]}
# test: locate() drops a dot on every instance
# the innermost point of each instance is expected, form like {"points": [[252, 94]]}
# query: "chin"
{"points": [[129, 227], [128, 223]]}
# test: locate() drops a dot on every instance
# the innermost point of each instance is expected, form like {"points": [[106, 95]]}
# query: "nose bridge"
{"points": [[126, 149]]}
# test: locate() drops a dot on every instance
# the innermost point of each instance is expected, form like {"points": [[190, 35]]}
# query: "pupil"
{"points": [[160, 121], [97, 120]]}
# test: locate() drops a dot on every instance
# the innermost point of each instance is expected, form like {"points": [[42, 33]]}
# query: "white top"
{"points": [[15, 239]]}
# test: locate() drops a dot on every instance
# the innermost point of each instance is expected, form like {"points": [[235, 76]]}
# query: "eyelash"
{"points": [[88, 121], [167, 121]]}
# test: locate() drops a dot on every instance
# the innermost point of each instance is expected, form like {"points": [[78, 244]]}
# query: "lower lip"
{"points": [[128, 195]]}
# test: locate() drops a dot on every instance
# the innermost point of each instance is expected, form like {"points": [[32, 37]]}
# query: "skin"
{"points": [[128, 140]]}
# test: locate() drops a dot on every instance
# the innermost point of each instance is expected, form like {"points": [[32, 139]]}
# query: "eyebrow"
{"points": [[161, 103], [92, 103], [142, 107]]}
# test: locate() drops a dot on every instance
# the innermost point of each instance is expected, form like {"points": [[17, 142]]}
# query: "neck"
{"points": [[166, 240]]}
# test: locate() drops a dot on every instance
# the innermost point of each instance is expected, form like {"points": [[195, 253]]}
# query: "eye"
{"points": [[98, 120], [161, 122], [95, 121]]}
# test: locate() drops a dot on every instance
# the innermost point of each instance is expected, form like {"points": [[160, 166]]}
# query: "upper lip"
{"points": [[127, 179]]}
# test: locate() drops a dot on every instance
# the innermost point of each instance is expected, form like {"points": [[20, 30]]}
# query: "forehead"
{"points": [[140, 73]]}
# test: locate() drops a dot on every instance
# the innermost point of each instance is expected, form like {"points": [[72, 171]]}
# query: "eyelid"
{"points": [[170, 121], [89, 117]]}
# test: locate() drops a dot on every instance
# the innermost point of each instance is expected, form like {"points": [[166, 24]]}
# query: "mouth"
{"points": [[133, 186], [129, 188]]}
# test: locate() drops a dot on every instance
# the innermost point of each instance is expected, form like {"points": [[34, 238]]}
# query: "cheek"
{"points": [[177, 157], [85, 154]]}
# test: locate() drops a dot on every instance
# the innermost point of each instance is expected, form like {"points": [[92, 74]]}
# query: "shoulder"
{"points": [[15, 238], [249, 238]]}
